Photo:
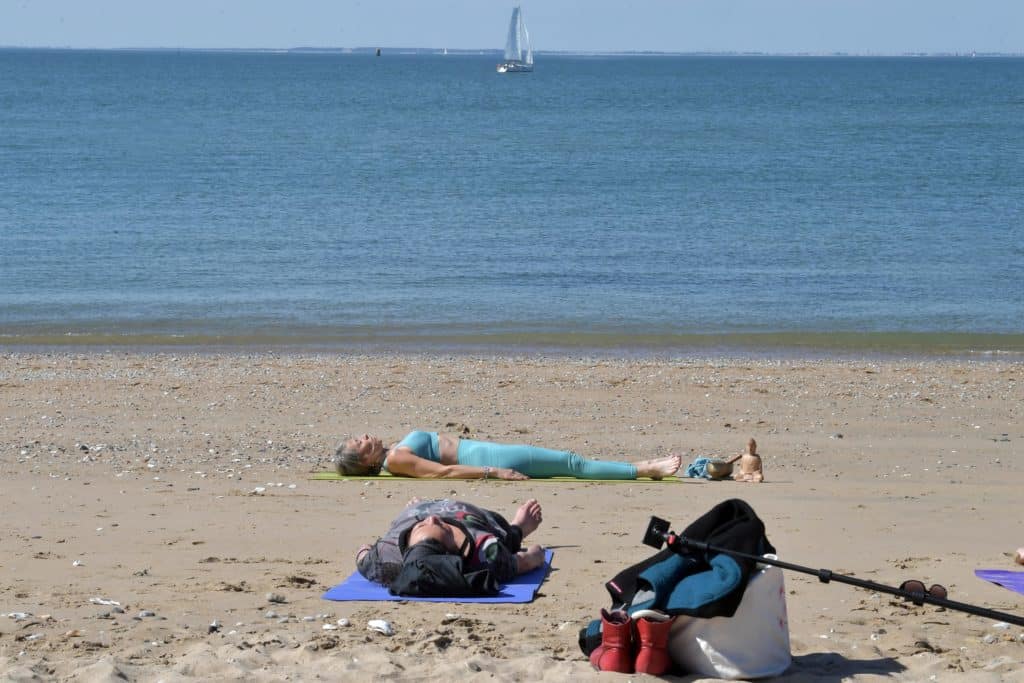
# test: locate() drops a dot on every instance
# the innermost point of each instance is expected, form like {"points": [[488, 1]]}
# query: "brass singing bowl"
{"points": [[719, 469]]}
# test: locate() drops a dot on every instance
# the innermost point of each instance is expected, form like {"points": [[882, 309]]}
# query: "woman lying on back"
{"points": [[452, 547], [436, 456]]}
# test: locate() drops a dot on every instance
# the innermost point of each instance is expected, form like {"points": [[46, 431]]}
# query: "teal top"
{"points": [[424, 444]]}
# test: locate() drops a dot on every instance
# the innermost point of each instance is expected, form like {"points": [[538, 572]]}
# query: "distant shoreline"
{"points": [[457, 52], [791, 344]]}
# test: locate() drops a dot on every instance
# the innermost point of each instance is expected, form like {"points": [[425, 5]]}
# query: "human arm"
{"points": [[506, 564], [403, 462], [379, 562]]}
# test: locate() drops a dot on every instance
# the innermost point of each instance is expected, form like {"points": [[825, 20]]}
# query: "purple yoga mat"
{"points": [[521, 589], [1013, 581]]}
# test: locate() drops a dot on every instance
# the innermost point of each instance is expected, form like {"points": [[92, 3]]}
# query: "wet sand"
{"points": [[179, 486]]}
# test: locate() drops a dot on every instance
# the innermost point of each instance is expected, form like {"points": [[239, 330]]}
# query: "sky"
{"points": [[772, 26]]}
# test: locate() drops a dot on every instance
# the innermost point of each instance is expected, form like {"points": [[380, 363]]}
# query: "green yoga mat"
{"points": [[334, 476]]}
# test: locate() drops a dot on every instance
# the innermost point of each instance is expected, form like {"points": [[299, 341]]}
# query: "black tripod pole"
{"points": [[680, 543]]}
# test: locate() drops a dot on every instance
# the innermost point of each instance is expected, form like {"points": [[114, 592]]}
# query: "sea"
{"points": [[602, 204]]}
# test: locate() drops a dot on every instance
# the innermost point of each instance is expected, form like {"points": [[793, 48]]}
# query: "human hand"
{"points": [[509, 475], [529, 559]]}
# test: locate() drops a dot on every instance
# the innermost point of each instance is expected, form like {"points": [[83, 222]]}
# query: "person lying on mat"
{"points": [[436, 456], [452, 548]]}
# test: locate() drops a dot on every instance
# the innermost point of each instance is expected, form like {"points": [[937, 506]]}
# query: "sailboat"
{"points": [[518, 51]]}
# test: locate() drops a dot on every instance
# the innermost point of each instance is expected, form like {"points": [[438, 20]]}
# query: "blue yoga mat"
{"points": [[523, 588], [1011, 580]]}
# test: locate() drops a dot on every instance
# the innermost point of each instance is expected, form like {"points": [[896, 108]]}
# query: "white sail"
{"points": [[518, 50], [526, 46], [512, 48]]}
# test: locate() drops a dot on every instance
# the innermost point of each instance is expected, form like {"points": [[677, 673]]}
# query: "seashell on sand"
{"points": [[380, 626]]}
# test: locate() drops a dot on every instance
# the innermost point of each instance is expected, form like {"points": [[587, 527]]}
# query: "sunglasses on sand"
{"points": [[917, 591]]}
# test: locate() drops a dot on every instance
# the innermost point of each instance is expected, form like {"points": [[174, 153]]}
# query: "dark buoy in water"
{"points": [[378, 52]]}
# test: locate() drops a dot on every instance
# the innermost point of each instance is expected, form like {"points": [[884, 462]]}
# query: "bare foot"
{"points": [[660, 467], [528, 517], [1020, 556]]}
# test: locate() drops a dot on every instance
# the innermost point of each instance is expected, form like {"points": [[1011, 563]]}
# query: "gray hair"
{"points": [[348, 463]]}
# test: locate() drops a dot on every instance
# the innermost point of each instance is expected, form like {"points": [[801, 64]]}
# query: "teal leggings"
{"points": [[540, 462]]}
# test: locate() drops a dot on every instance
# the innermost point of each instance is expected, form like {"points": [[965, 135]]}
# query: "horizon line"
{"points": [[484, 51]]}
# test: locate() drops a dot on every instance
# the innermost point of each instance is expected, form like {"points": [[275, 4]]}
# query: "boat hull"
{"points": [[514, 68]]}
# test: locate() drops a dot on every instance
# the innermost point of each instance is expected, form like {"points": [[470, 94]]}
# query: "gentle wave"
{"points": [[979, 346]]}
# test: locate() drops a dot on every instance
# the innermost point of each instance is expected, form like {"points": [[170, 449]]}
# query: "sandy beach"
{"points": [[179, 486]]}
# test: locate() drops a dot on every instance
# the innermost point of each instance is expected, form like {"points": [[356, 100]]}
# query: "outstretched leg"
{"points": [[539, 463]]}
